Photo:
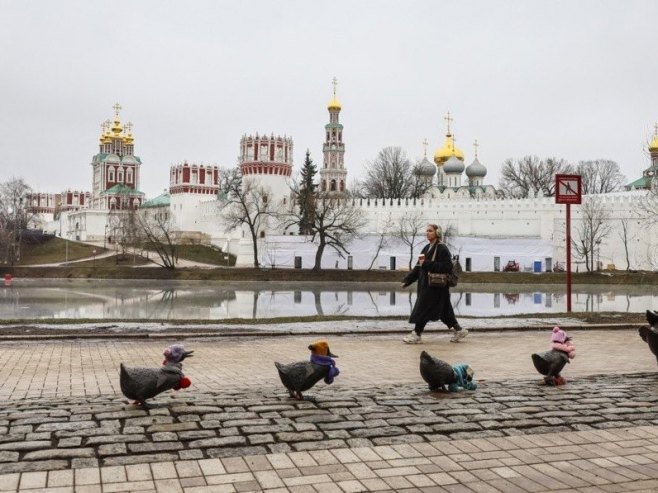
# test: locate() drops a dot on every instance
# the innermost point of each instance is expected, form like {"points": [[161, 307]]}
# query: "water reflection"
{"points": [[215, 300]]}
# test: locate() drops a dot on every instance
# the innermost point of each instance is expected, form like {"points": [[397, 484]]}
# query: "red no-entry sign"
{"points": [[568, 190]]}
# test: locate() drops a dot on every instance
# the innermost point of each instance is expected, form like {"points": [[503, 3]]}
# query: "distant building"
{"points": [[649, 177], [486, 230]]}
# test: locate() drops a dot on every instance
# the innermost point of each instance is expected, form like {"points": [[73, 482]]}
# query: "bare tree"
{"points": [[600, 176], [14, 218], [592, 229], [624, 235], [229, 178], [391, 175], [334, 224], [154, 231], [410, 232], [383, 239], [530, 173], [356, 189], [249, 204], [649, 204]]}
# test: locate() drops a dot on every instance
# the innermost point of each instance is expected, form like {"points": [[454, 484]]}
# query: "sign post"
{"points": [[568, 190]]}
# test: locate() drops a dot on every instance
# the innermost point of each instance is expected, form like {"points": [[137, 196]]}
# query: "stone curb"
{"points": [[143, 334]]}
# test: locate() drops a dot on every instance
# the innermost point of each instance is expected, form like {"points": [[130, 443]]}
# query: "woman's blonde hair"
{"points": [[437, 229]]}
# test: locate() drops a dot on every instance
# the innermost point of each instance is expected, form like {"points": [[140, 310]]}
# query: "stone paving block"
{"points": [[146, 447], [113, 474], [168, 486], [141, 486], [192, 481], [86, 476], [138, 459], [280, 461], [60, 454], [31, 480]]}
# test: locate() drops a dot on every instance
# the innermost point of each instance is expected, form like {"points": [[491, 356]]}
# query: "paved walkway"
{"points": [[64, 425]]}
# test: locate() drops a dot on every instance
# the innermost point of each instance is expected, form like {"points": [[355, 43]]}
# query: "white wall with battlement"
{"points": [[537, 219]]}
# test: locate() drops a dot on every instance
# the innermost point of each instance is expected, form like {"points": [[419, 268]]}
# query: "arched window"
{"points": [[120, 175], [262, 234], [332, 187], [129, 175], [110, 174]]}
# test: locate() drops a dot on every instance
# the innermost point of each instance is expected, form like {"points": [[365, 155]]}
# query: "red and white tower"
{"points": [[268, 160], [189, 185], [333, 175], [116, 169]]}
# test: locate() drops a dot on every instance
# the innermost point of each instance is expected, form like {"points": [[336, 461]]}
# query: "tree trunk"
{"points": [[255, 242], [318, 256]]}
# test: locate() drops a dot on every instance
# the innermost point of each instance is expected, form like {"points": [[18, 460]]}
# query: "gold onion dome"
{"points": [[334, 104], [117, 128], [653, 145], [447, 151]]}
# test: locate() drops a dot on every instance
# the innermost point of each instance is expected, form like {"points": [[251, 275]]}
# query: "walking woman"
{"points": [[432, 303]]}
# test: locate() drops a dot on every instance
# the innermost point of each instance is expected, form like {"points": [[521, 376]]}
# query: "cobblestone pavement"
{"points": [[64, 426]]}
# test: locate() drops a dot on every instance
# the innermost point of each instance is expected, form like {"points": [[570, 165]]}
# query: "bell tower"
{"points": [[333, 175]]}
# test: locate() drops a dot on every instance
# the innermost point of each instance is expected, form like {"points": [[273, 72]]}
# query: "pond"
{"points": [[216, 300]]}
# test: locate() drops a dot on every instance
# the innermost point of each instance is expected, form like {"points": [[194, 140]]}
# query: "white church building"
{"points": [[485, 230]]}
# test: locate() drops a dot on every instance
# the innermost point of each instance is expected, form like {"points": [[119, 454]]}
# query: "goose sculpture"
{"points": [[650, 334], [301, 376], [141, 383], [437, 374]]}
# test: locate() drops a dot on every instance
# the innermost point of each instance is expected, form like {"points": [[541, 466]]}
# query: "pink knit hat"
{"points": [[558, 335]]}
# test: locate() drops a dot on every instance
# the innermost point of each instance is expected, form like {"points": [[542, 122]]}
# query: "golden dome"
{"points": [[117, 128], [128, 139], [653, 145], [447, 151], [334, 104]]}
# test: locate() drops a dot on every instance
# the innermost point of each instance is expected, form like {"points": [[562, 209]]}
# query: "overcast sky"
{"points": [[570, 79]]}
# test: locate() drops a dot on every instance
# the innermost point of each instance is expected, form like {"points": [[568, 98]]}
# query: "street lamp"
{"points": [[93, 252], [598, 255], [105, 237]]}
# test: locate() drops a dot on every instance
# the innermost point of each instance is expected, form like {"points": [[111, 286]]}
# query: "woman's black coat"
{"points": [[432, 303]]}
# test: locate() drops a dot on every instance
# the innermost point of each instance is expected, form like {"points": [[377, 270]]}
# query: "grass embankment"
{"points": [[55, 250]]}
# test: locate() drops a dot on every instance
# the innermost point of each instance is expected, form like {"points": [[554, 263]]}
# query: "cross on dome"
{"points": [[128, 126], [475, 146], [448, 119], [117, 108], [425, 143], [334, 81]]}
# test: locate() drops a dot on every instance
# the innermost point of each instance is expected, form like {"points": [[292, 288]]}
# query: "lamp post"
{"points": [[598, 255], [105, 237]]}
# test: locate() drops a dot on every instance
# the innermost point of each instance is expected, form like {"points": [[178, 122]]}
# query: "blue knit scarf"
{"points": [[317, 359], [461, 374]]}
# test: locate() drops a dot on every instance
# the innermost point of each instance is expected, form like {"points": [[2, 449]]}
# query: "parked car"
{"points": [[512, 266]]}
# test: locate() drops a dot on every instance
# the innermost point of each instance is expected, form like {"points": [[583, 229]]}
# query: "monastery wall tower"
{"points": [[333, 175], [269, 160], [190, 184]]}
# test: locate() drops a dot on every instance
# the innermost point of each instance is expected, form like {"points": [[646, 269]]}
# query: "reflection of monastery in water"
{"points": [[147, 300], [487, 231]]}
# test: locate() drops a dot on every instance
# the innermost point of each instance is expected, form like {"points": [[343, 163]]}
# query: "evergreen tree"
{"points": [[306, 196]]}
